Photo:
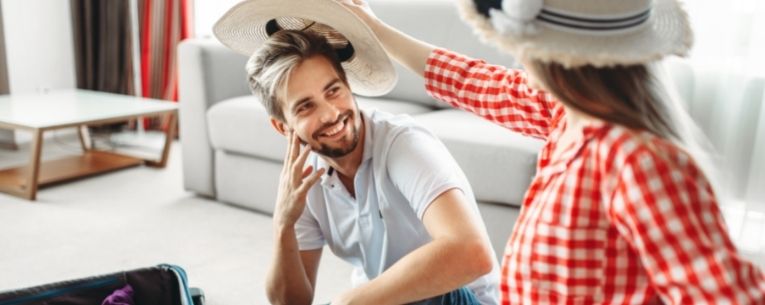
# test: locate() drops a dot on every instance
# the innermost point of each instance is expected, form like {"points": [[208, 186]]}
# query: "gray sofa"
{"points": [[232, 154]]}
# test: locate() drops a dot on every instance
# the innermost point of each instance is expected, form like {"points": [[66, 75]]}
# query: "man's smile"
{"points": [[335, 130]]}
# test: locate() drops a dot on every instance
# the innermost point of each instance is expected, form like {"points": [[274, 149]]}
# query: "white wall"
{"points": [[39, 48], [38, 43], [207, 12]]}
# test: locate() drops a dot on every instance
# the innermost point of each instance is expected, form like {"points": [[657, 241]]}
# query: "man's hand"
{"points": [[292, 274], [294, 183]]}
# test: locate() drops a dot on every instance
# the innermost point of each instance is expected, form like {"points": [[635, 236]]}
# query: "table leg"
{"points": [[84, 134], [34, 165], [169, 135]]}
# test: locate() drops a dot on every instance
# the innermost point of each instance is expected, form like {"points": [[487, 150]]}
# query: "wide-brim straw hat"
{"points": [[248, 24], [582, 32]]}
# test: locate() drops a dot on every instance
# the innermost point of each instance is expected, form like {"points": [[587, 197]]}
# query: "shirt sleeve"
{"points": [[666, 210], [494, 92], [421, 167], [308, 232]]}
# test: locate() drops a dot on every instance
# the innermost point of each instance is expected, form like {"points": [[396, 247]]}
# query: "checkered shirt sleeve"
{"points": [[493, 92]]}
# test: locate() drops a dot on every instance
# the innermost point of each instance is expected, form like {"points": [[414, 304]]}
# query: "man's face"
{"points": [[320, 108]]}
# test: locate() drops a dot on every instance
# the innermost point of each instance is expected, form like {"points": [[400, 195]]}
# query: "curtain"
{"points": [[103, 46], [103, 49], [729, 34], [729, 40], [162, 25]]}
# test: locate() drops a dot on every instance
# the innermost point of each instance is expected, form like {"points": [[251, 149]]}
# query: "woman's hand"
{"points": [[361, 9]]}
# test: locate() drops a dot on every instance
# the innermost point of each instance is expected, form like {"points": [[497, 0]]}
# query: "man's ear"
{"points": [[279, 126]]}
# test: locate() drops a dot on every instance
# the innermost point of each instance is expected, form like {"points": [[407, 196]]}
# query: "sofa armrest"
{"points": [[208, 74]]}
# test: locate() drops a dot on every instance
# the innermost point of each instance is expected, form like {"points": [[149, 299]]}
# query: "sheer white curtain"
{"points": [[729, 34], [730, 40]]}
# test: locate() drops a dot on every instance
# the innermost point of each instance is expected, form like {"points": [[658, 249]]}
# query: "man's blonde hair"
{"points": [[269, 68]]}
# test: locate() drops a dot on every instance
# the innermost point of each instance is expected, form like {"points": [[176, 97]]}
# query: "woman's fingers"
{"points": [[359, 7]]}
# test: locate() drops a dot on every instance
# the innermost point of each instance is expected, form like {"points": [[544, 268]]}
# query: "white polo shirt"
{"points": [[403, 169]]}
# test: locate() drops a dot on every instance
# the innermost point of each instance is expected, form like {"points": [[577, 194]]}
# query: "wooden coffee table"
{"points": [[78, 109]]}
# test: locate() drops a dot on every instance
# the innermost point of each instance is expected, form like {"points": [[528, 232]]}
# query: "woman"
{"points": [[620, 211]]}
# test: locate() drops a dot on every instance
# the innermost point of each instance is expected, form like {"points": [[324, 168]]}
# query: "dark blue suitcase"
{"points": [[161, 285]]}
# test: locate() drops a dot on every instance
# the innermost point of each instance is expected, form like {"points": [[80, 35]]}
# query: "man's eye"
{"points": [[334, 90], [304, 107]]}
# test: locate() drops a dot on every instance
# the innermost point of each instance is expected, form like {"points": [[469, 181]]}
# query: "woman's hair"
{"points": [[270, 66], [626, 95], [633, 96]]}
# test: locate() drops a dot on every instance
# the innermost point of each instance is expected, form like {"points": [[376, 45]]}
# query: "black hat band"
{"points": [[343, 54]]}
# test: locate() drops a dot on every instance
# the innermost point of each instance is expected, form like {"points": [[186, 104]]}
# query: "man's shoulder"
{"points": [[382, 119], [400, 139], [387, 126]]}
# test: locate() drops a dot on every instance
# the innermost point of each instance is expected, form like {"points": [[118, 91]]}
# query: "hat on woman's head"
{"points": [[582, 32], [247, 25]]}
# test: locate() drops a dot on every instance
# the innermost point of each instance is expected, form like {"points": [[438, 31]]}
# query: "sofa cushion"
{"points": [[241, 125], [498, 162], [247, 181]]}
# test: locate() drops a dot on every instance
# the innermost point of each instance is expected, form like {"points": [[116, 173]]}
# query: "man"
{"points": [[383, 193]]}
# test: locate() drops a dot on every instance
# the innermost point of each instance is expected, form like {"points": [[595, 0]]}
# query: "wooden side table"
{"points": [[38, 113]]}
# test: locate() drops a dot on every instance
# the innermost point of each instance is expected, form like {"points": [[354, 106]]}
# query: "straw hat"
{"points": [[247, 25], [582, 32]]}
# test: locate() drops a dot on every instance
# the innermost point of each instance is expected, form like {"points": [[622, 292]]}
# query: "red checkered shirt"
{"points": [[621, 217]]}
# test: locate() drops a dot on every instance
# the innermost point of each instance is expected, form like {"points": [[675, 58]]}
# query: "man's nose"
{"points": [[328, 112]]}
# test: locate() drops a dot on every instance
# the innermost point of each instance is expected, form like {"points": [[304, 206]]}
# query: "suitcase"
{"points": [[161, 285]]}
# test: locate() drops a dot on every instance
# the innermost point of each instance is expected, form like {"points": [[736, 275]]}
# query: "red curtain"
{"points": [[162, 25], [103, 43]]}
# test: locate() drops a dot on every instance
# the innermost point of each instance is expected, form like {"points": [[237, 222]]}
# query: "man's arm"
{"points": [[293, 272], [459, 253], [292, 276]]}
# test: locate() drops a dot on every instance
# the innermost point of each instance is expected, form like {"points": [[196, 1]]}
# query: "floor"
{"points": [[135, 218]]}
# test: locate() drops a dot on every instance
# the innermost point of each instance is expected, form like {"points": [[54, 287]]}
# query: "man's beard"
{"points": [[337, 152]]}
